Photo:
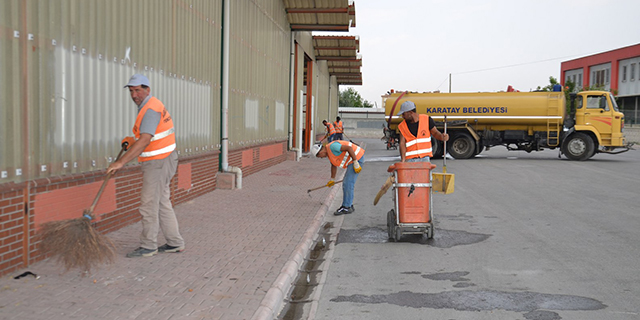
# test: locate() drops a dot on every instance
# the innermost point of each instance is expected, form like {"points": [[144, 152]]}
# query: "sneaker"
{"points": [[343, 210], [141, 252], [169, 249], [352, 209]]}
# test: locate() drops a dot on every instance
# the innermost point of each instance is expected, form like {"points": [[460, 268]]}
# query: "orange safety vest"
{"points": [[330, 129], [164, 139], [420, 146], [338, 125], [343, 160]]}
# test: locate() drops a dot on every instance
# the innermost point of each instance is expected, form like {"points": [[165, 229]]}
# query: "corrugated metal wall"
{"points": [[64, 65], [259, 73]]}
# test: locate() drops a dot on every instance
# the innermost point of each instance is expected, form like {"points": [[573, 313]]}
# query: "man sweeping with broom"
{"points": [[154, 145]]}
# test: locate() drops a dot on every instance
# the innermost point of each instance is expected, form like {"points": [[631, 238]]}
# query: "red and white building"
{"points": [[617, 70]]}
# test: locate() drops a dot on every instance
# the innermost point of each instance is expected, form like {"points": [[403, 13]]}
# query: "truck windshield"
{"points": [[613, 103]]}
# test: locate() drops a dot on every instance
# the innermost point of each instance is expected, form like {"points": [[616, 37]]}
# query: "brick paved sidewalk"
{"points": [[237, 243]]}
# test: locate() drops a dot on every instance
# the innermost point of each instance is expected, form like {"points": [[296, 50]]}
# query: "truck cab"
{"points": [[597, 111], [597, 117]]}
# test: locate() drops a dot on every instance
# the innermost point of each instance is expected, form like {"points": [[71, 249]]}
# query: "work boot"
{"points": [[169, 249], [141, 252]]}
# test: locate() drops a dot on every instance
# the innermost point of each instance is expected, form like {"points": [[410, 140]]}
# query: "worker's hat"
{"points": [[406, 106], [315, 149], [138, 80]]}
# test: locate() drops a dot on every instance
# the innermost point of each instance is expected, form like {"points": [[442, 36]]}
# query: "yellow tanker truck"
{"points": [[529, 121]]}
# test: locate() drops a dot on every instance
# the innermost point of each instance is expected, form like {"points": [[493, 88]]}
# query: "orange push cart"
{"points": [[412, 200]]}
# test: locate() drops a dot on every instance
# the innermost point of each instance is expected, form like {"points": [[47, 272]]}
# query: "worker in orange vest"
{"points": [[346, 155], [331, 131], [416, 131], [339, 129], [155, 146]]}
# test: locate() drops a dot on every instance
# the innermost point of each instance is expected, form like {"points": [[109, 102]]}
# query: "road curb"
{"points": [[274, 299]]}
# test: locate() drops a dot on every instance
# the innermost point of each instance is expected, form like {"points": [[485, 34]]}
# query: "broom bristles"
{"points": [[76, 244]]}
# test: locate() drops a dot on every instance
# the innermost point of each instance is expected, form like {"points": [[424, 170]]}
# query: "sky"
{"points": [[485, 45]]}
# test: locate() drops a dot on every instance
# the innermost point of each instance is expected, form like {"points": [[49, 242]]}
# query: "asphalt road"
{"points": [[524, 236]]}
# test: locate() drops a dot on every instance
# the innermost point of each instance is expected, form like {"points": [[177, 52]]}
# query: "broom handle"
{"points": [[104, 184], [314, 189], [444, 152]]}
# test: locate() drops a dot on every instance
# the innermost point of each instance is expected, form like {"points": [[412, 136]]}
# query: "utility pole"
{"points": [[449, 82]]}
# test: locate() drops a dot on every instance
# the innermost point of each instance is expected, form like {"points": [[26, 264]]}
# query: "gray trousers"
{"points": [[423, 159], [155, 203]]}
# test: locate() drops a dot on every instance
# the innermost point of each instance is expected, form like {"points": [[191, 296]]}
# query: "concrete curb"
{"points": [[274, 299]]}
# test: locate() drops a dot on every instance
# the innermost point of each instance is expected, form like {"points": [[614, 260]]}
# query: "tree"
{"points": [[350, 98], [552, 82]]}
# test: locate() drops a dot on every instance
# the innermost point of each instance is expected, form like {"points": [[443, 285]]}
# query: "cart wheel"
{"points": [[391, 222], [398, 233], [428, 234]]}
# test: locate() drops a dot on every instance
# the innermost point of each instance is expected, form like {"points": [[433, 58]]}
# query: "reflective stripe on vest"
{"points": [[338, 126], [163, 141], [421, 146], [167, 149], [161, 135], [343, 160], [330, 129]]}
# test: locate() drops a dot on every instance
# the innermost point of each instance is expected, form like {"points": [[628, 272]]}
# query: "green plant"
{"points": [[350, 98]]}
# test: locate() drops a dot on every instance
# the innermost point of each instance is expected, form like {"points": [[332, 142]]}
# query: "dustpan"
{"points": [[443, 182]]}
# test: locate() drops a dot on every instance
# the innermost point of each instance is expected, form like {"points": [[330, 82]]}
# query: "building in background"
{"points": [[246, 82], [617, 71]]}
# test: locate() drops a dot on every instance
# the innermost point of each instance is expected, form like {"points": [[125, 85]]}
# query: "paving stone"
{"points": [[247, 235]]}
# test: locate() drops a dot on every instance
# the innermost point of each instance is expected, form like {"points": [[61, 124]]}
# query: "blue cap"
{"points": [[407, 106], [138, 80]]}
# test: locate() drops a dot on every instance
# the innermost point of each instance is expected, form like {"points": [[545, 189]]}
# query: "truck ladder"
{"points": [[553, 125]]}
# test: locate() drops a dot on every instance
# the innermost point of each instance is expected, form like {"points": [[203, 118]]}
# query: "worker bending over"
{"points": [[346, 155], [331, 131]]}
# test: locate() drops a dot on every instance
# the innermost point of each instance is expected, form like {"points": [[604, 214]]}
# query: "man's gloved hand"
{"points": [[356, 166], [127, 142], [330, 183]]}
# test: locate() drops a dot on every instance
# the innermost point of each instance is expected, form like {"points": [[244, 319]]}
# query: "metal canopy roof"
{"points": [[341, 53], [320, 15]]}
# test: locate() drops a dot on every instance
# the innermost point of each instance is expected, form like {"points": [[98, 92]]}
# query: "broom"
{"points": [[75, 242]]}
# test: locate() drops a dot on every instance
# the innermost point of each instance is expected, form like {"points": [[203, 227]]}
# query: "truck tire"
{"points": [[436, 148], [479, 148], [462, 146], [578, 146]]}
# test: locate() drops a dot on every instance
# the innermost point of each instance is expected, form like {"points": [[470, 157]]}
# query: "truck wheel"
{"points": [[480, 148], [462, 146], [578, 146], [436, 148]]}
